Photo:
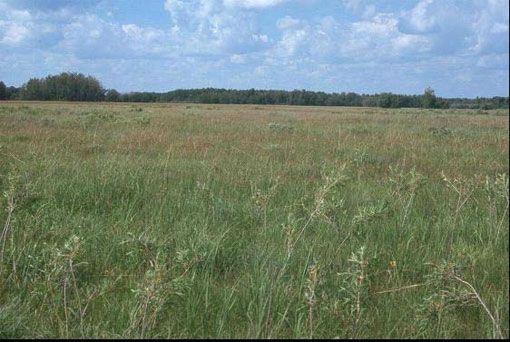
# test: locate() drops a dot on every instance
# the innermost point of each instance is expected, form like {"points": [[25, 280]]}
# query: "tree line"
{"points": [[78, 87]]}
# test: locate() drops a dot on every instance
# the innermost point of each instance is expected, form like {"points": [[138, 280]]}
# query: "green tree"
{"points": [[32, 90], [429, 98], [13, 93], [112, 95], [385, 100], [3, 91], [63, 87]]}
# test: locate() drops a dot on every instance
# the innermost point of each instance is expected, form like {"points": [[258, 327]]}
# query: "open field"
{"points": [[180, 220]]}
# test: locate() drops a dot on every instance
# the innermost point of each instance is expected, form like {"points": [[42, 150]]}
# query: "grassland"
{"points": [[176, 220]]}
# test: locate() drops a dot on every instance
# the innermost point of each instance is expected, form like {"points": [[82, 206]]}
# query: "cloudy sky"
{"points": [[458, 47]]}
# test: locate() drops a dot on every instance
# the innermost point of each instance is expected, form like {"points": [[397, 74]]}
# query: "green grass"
{"points": [[172, 221]]}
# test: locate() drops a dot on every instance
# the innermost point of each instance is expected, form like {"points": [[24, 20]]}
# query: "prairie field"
{"points": [[244, 221]]}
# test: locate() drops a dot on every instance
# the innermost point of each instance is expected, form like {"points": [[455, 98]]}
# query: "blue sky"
{"points": [[458, 47]]}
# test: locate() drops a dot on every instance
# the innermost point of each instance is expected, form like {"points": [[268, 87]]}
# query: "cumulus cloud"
{"points": [[210, 27], [21, 30], [419, 19], [238, 59], [13, 33], [353, 5], [252, 3], [140, 34], [479, 27], [365, 8], [30, 24], [90, 36], [329, 40], [494, 61], [19, 15], [287, 22], [491, 28]]}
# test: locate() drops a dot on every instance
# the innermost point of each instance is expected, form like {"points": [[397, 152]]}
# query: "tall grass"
{"points": [[235, 222]]}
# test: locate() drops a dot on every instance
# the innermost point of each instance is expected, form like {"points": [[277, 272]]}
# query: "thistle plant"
{"points": [[262, 199], [497, 191], [405, 187], [151, 294], [293, 234], [450, 292], [311, 286], [9, 198], [360, 157], [369, 212], [463, 188], [290, 233], [333, 179], [355, 290], [64, 271]]}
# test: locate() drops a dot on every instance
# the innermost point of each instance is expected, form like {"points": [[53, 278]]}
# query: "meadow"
{"points": [[244, 221]]}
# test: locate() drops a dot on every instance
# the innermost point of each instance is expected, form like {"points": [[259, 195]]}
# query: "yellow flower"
{"points": [[393, 263]]}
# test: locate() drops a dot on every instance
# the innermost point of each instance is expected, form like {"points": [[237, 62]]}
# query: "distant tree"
{"points": [[63, 87], [77, 87], [429, 98], [112, 95], [13, 93], [385, 100], [3, 91], [32, 90], [369, 101]]}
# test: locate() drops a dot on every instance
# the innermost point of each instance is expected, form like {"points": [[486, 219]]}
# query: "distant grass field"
{"points": [[202, 221]]}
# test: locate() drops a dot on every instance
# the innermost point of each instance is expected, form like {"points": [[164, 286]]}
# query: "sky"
{"points": [[460, 48]]}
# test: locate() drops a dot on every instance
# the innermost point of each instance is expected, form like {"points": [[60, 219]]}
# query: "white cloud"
{"points": [[370, 11], [330, 41], [20, 29], [419, 19], [89, 37], [499, 28], [491, 27], [381, 26], [252, 3], [14, 33], [447, 24], [18, 15], [211, 27], [142, 34], [451, 27], [407, 44], [287, 22], [238, 59], [494, 61], [292, 40], [353, 5], [361, 7]]}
